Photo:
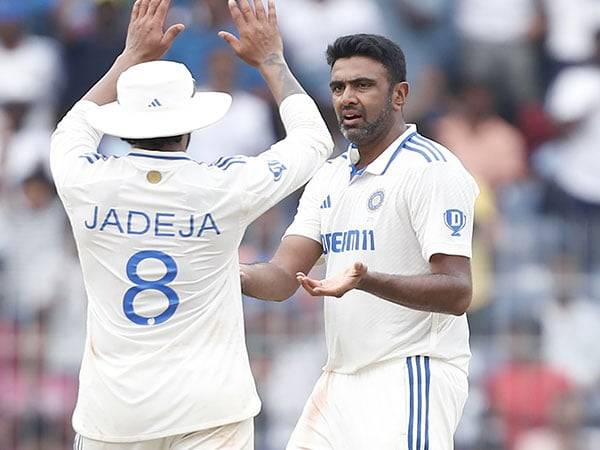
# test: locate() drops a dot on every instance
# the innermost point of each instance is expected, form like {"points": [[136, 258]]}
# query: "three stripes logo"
{"points": [[326, 203], [419, 382], [155, 103], [224, 163]]}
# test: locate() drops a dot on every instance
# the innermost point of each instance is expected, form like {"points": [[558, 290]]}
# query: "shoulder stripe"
{"points": [[221, 162], [419, 151], [430, 144], [93, 157], [426, 149], [231, 163], [402, 145]]}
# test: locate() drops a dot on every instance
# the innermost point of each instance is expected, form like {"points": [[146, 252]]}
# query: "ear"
{"points": [[400, 95]]}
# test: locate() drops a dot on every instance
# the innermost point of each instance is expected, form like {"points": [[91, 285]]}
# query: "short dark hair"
{"points": [[154, 143], [372, 46]]}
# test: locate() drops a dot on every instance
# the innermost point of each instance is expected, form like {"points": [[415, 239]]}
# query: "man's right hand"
{"points": [[146, 40], [260, 40]]}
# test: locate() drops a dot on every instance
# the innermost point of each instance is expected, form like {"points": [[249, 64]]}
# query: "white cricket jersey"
{"points": [[158, 235], [415, 200]]}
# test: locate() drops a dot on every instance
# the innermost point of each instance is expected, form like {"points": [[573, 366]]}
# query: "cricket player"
{"points": [[393, 217], [165, 363]]}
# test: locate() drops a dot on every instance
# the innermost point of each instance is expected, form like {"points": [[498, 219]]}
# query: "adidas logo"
{"points": [[154, 103], [326, 203]]}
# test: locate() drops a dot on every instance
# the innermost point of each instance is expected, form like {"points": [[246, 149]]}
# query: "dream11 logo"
{"points": [[456, 220]]}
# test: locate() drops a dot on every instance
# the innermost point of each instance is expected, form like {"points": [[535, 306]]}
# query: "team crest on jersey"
{"points": [[456, 220], [376, 200], [276, 169]]}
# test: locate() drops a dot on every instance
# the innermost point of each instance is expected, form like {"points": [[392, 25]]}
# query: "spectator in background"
{"points": [[426, 32], [570, 332], [566, 429], [522, 391], [498, 45], [91, 46], [571, 163], [64, 344], [571, 26], [203, 20], [29, 65], [489, 147], [308, 26], [247, 128], [34, 222]]}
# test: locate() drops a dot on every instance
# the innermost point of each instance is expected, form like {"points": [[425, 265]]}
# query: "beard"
{"points": [[369, 131]]}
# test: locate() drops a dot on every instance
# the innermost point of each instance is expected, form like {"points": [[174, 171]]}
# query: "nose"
{"points": [[349, 97]]}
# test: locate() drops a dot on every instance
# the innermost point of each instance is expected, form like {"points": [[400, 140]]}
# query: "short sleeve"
{"points": [[441, 205], [307, 221]]}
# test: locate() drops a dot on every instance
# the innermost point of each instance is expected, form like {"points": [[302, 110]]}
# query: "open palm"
{"points": [[335, 286]]}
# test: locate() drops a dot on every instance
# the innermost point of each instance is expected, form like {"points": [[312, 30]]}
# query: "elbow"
{"points": [[285, 293], [461, 301]]}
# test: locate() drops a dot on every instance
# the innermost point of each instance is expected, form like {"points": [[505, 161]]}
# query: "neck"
{"points": [[370, 151]]}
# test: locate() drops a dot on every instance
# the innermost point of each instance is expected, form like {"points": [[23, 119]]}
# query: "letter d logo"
{"points": [[455, 220]]}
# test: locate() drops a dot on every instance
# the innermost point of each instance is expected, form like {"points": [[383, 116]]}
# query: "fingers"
{"points": [[246, 10], [236, 14], [359, 268], [261, 14], [153, 6], [308, 287], [272, 12], [135, 11], [162, 10], [230, 39], [143, 7], [172, 33], [313, 287]]}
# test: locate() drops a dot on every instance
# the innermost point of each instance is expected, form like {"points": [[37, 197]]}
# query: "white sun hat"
{"points": [[158, 99]]}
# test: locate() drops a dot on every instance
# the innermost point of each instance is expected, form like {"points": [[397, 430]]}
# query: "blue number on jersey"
{"points": [[157, 285]]}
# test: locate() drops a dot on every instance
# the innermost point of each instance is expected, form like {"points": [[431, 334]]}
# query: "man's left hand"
{"points": [[335, 286]]}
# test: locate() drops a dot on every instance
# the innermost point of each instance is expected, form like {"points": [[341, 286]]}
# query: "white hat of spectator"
{"points": [[158, 99]]}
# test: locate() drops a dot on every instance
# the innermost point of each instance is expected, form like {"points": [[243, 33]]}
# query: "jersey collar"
{"points": [[383, 161], [158, 155]]}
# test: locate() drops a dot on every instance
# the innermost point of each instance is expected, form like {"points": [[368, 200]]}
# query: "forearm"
{"points": [[441, 293], [279, 78], [267, 281], [105, 90]]}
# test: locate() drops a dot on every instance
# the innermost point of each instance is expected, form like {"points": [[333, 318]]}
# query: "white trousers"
{"points": [[236, 436], [409, 404]]}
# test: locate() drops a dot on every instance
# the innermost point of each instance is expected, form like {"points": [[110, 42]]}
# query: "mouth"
{"points": [[351, 118]]}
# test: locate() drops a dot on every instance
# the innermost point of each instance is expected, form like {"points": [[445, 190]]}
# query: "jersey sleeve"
{"points": [[266, 179], [441, 206], [73, 145], [307, 221]]}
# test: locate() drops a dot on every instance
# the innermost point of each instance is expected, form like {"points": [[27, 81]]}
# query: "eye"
{"points": [[364, 85], [337, 89]]}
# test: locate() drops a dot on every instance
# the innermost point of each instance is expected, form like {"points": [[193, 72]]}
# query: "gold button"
{"points": [[153, 177]]}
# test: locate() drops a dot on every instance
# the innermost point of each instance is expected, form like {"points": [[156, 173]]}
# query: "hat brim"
{"points": [[202, 110]]}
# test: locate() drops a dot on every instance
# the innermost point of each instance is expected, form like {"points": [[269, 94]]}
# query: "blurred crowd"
{"points": [[511, 86]]}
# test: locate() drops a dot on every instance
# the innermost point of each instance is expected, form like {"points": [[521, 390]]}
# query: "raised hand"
{"points": [[335, 286], [146, 40], [260, 40]]}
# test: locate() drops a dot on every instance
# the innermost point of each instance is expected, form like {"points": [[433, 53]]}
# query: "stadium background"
{"points": [[512, 86]]}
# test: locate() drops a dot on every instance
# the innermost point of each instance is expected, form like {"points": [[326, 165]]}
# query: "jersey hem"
{"points": [[171, 432]]}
